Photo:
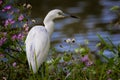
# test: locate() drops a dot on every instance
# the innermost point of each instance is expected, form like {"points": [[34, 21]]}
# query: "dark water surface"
{"points": [[95, 17]]}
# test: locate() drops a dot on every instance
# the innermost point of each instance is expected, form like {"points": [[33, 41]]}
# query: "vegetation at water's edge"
{"points": [[80, 64]]}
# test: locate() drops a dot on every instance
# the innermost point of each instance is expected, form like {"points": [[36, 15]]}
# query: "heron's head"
{"points": [[57, 13]]}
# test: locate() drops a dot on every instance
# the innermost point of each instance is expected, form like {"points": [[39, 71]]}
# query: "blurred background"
{"points": [[95, 17]]}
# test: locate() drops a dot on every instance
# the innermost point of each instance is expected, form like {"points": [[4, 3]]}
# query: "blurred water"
{"points": [[95, 17]]}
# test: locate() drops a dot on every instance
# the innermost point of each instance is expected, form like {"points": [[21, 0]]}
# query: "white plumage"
{"points": [[38, 40], [37, 46]]}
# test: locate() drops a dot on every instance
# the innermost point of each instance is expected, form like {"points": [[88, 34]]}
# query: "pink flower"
{"points": [[25, 26], [14, 64], [85, 59], [14, 37], [26, 29], [2, 40], [1, 2], [6, 8], [21, 17], [20, 36], [9, 22]]}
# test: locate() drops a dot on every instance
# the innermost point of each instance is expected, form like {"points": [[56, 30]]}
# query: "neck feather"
{"points": [[49, 25]]}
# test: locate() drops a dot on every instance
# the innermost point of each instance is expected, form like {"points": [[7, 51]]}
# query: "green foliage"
{"points": [[66, 66], [114, 8]]}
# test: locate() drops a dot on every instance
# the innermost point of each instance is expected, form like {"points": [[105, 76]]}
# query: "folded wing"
{"points": [[37, 46]]}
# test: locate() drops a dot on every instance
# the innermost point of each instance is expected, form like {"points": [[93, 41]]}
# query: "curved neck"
{"points": [[49, 25]]}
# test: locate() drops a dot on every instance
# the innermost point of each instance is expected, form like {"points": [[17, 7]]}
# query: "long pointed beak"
{"points": [[72, 16]]}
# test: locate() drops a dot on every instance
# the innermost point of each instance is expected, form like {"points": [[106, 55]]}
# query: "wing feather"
{"points": [[37, 46]]}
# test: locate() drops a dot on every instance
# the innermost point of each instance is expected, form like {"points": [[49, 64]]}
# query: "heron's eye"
{"points": [[60, 13]]}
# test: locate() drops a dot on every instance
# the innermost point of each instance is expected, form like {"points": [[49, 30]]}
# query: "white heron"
{"points": [[38, 40]]}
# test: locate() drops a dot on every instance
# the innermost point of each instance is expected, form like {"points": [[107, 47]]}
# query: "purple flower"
{"points": [[14, 64], [1, 2], [20, 36], [6, 22], [14, 37], [2, 40], [85, 59], [9, 22], [21, 17], [6, 8]]}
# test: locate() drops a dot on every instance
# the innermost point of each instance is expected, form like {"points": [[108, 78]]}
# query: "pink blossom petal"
{"points": [[2, 41], [9, 22], [20, 36], [7, 8], [14, 64], [14, 37], [21, 17], [1, 2], [85, 58], [6, 23]]}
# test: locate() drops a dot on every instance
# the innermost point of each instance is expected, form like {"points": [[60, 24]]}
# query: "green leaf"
{"points": [[114, 8]]}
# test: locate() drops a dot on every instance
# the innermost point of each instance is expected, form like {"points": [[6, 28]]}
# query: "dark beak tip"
{"points": [[74, 16]]}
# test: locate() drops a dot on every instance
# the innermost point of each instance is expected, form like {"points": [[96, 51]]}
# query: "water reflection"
{"points": [[95, 17]]}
